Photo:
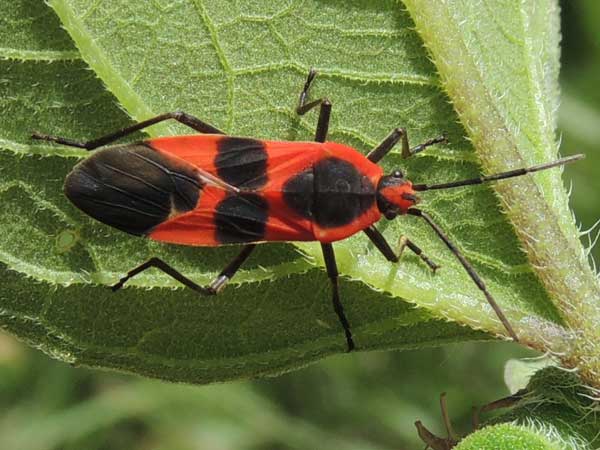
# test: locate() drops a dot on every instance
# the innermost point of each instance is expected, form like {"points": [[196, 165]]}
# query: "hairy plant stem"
{"points": [[549, 239]]}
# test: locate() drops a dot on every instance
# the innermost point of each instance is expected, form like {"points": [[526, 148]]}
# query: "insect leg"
{"points": [[393, 138], [332, 272], [469, 268], [179, 116], [434, 442], [386, 250], [406, 242], [303, 107], [231, 269], [164, 267], [214, 288], [323, 124], [387, 144], [419, 148], [325, 110]]}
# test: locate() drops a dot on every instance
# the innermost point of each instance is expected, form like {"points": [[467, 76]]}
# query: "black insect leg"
{"points": [[406, 242], [303, 107], [468, 267], [408, 152], [228, 272], [332, 272], [180, 116], [386, 250], [214, 288], [325, 110], [323, 123], [164, 267], [393, 138], [386, 145], [328, 253]]}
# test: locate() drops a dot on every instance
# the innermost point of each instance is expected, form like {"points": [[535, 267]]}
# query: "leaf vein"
{"points": [[39, 55]]}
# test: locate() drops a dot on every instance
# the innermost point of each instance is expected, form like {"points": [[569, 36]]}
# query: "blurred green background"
{"points": [[358, 401]]}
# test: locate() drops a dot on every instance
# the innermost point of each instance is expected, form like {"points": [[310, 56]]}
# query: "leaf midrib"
{"points": [[132, 102]]}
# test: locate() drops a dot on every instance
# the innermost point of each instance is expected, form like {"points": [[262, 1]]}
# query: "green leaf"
{"points": [[49, 88], [240, 67], [553, 411], [506, 95], [249, 88], [556, 412], [558, 406], [177, 336], [518, 372]]}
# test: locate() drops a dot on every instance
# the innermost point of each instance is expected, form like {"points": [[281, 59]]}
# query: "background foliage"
{"points": [[357, 401]]}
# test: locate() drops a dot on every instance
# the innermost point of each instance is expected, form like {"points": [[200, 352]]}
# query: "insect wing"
{"points": [[258, 211], [235, 161]]}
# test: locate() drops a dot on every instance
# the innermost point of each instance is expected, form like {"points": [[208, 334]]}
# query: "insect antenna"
{"points": [[468, 267], [498, 176]]}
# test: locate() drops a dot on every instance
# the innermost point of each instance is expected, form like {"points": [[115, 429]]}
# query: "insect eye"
{"points": [[391, 214], [398, 174]]}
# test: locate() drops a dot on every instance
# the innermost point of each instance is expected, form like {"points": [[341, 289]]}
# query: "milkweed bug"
{"points": [[211, 190]]}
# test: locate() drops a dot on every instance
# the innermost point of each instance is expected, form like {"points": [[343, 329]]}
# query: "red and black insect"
{"points": [[213, 190]]}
